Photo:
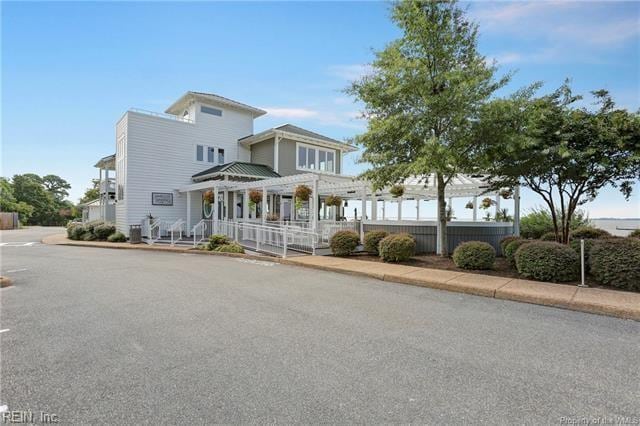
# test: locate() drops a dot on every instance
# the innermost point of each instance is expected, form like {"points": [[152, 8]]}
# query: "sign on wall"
{"points": [[162, 198]]}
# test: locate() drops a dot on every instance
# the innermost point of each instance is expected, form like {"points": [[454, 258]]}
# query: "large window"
{"points": [[209, 154], [312, 158]]}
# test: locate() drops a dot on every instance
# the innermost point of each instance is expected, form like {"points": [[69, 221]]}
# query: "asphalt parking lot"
{"points": [[117, 336]]}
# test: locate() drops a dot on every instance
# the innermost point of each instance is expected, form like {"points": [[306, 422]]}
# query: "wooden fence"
{"points": [[9, 220]]}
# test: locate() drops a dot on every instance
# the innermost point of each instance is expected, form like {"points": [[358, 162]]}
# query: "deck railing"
{"points": [[161, 115]]}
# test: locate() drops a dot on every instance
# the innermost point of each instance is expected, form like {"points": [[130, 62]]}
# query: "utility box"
{"points": [[135, 234]]}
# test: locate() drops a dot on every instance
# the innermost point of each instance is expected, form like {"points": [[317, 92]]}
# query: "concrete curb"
{"points": [[613, 303]]}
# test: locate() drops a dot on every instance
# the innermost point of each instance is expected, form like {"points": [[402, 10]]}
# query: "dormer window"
{"points": [[185, 114], [213, 111]]}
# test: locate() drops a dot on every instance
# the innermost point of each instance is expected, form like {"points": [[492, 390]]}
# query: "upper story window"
{"points": [[209, 154], [212, 111], [313, 158]]}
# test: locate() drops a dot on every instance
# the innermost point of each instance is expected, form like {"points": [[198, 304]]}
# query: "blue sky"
{"points": [[70, 70]]}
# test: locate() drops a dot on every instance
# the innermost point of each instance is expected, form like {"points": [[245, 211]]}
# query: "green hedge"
{"points": [[507, 240], [397, 247], [343, 243], [372, 241], [590, 232], [548, 236], [230, 248], [588, 245], [616, 262], [103, 231], [511, 248], [547, 261], [217, 240], [474, 255], [117, 237], [76, 231]]}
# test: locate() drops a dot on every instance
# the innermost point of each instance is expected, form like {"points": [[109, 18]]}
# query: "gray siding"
{"points": [[262, 152], [425, 235], [287, 158]]}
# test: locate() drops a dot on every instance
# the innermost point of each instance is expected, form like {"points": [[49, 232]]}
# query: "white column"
{"points": [[364, 213], [188, 213], [106, 193], [264, 205], [276, 154], [384, 213], [245, 205], [100, 190], [417, 208], [292, 208], [516, 211], [400, 208], [235, 206], [225, 207], [475, 208], [314, 212], [374, 207], [497, 203]]}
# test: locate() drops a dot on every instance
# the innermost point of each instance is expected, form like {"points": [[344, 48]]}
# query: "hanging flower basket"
{"points": [[397, 191], [208, 196], [506, 193], [487, 203], [469, 205], [255, 196], [302, 192], [333, 200]]}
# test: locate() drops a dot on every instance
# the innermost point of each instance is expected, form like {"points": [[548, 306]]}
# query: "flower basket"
{"points": [[469, 205], [333, 200], [506, 193], [208, 196], [302, 192], [487, 203], [255, 196], [397, 191]]}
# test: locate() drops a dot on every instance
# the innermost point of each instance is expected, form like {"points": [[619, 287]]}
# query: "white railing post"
{"points": [[284, 242]]}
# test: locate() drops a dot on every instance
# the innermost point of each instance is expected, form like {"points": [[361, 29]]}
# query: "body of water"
{"points": [[613, 225]]}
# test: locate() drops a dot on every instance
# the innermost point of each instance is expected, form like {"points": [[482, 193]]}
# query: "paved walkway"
{"points": [[600, 301]]}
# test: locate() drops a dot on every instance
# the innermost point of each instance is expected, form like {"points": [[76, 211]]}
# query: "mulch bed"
{"points": [[501, 267]]}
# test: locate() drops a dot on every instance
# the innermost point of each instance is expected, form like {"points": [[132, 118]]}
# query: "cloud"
{"points": [[610, 33], [290, 112], [500, 14], [350, 72]]}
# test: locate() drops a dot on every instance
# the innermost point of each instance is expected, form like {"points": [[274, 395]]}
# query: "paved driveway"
{"points": [[117, 336]]}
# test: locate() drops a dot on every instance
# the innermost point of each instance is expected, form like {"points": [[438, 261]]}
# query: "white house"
{"points": [[199, 168]]}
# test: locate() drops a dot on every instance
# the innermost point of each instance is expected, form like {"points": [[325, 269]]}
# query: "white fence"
{"points": [[273, 239]]}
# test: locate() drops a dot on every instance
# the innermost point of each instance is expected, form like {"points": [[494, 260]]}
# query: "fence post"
{"points": [[235, 231], [284, 243], [582, 283]]}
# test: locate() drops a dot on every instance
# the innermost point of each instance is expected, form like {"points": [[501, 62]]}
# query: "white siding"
{"points": [[160, 157], [121, 175]]}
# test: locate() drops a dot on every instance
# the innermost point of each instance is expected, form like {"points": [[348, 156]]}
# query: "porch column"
{"points": [[497, 204], [276, 153], [516, 211], [417, 208], [292, 209], [100, 189], [106, 194], [235, 206], [400, 208], [364, 213], [264, 205], [215, 209], [314, 212], [245, 205], [188, 213], [374, 207], [225, 206], [475, 208], [384, 204]]}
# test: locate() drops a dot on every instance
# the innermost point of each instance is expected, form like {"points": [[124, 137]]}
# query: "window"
{"points": [[220, 156], [213, 111], [311, 158], [199, 153], [209, 154], [185, 114]]}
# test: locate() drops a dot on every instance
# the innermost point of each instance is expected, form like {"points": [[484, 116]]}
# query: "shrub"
{"points": [[547, 261], [474, 255], [90, 226], [70, 229], [548, 236], [539, 222], [397, 247], [589, 232], [343, 243], [230, 248], [616, 262], [635, 233], [507, 240], [102, 232], [217, 240], [77, 232], [117, 237], [89, 237], [588, 245], [372, 240], [511, 248]]}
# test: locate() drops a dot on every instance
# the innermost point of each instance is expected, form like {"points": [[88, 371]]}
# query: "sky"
{"points": [[70, 70]]}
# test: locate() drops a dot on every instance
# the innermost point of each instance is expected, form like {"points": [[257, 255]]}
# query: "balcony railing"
{"points": [[161, 115]]}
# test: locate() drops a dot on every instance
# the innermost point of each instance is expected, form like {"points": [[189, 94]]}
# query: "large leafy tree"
{"points": [[45, 195], [8, 202], [92, 193], [56, 186], [422, 97], [562, 152]]}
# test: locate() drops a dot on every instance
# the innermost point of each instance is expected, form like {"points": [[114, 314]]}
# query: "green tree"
{"points": [[8, 202], [92, 193], [28, 188], [564, 153], [422, 97], [56, 186]]}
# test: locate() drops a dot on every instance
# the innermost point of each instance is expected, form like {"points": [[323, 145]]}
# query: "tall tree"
{"points": [[422, 97], [56, 186], [8, 202], [91, 193], [564, 153]]}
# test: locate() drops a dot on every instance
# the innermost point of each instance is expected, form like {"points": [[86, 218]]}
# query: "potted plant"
{"points": [[487, 203], [506, 193], [469, 205], [397, 190], [302, 193], [333, 200], [255, 196], [208, 197]]}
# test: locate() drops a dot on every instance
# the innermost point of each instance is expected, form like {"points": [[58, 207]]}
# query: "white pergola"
{"points": [[350, 188]]}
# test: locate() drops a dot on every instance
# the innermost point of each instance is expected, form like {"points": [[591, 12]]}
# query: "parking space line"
{"points": [[2, 331]]}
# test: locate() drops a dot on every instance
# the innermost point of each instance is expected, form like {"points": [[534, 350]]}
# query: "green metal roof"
{"points": [[261, 171]]}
